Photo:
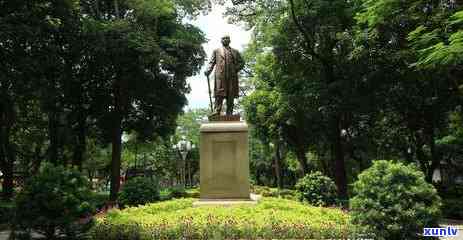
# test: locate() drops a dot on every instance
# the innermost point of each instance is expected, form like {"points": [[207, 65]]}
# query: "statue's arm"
{"points": [[211, 63]]}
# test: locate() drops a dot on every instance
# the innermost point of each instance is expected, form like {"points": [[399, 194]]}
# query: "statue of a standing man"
{"points": [[228, 63]]}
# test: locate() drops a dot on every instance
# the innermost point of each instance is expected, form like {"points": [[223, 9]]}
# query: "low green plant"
{"points": [[265, 191], [139, 191], [99, 199], [449, 190], [317, 189], [271, 218], [393, 201], [192, 193], [289, 194], [53, 201], [6, 213], [164, 194], [275, 192], [453, 208], [178, 192]]}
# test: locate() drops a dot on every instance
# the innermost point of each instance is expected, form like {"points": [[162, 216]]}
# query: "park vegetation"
{"points": [[393, 201], [272, 218], [92, 95]]}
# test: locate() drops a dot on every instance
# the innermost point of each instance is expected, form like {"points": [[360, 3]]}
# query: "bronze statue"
{"points": [[228, 63]]}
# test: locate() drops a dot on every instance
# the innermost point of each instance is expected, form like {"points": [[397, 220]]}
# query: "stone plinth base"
{"points": [[253, 200], [224, 162]]}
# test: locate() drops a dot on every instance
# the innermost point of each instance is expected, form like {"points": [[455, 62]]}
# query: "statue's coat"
{"points": [[228, 63]]}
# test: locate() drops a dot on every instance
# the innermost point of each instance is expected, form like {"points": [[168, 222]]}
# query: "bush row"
{"points": [[392, 201]]}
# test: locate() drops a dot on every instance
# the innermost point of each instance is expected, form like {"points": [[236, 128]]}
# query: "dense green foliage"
{"points": [[317, 189], [77, 75], [329, 85], [393, 201], [54, 200], [339, 83], [452, 206], [7, 210], [271, 219], [139, 191]]}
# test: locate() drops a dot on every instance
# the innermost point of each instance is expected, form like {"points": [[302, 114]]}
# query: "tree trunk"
{"points": [[53, 135], [116, 142], [296, 140], [116, 9], [420, 155], [435, 160], [339, 164], [97, 9], [7, 158], [8, 177], [277, 159], [302, 159], [7, 155], [81, 145], [116, 157]]}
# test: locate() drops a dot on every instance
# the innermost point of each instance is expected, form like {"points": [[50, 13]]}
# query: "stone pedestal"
{"points": [[224, 162]]}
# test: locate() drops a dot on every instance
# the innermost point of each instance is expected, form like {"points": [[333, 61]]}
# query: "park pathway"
{"points": [[454, 223]]}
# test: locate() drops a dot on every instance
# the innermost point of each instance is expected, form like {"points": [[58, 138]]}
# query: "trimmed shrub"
{"points": [[449, 191], [265, 191], [289, 194], [164, 194], [317, 189], [393, 201], [53, 201], [452, 203], [139, 191], [178, 192], [6, 213], [453, 208], [99, 199], [192, 193], [271, 218]]}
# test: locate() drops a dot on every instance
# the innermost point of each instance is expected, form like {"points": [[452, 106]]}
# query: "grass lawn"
{"points": [[271, 218]]}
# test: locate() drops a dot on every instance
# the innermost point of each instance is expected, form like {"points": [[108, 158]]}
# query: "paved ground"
{"points": [[454, 223], [5, 234]]}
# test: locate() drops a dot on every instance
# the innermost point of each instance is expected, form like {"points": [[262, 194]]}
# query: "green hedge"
{"points": [[271, 218], [139, 191], [265, 191], [6, 213], [453, 208], [178, 192]]}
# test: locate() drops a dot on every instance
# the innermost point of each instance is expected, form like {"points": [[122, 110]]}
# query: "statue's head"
{"points": [[226, 41]]}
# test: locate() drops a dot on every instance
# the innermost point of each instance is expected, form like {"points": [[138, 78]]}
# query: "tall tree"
{"points": [[144, 53], [420, 97], [319, 82]]}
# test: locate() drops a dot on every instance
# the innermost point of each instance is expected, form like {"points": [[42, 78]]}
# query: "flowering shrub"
{"points": [[271, 218]]}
